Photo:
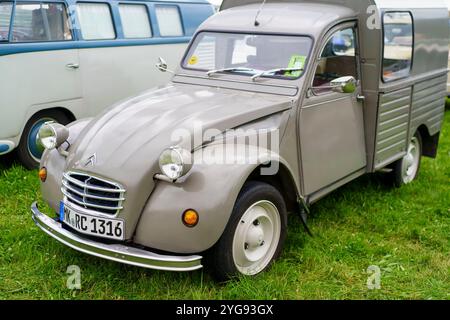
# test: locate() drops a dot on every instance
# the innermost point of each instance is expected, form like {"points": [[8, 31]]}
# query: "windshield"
{"points": [[5, 19], [249, 54]]}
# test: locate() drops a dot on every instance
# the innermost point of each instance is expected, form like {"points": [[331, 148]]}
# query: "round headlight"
{"points": [[51, 135], [47, 136], [175, 162]]}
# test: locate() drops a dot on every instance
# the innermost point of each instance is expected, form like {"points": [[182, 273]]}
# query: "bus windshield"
{"points": [[254, 55], [5, 19]]}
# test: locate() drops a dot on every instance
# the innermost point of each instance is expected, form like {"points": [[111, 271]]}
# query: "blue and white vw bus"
{"points": [[63, 60]]}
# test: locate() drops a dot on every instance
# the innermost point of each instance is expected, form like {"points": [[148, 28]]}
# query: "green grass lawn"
{"points": [[405, 232]]}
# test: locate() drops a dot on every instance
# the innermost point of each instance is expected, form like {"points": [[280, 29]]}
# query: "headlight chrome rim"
{"points": [[52, 135], [47, 136], [175, 162]]}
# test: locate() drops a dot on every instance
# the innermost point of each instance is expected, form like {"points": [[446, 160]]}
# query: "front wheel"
{"points": [[29, 150], [255, 234], [407, 169]]}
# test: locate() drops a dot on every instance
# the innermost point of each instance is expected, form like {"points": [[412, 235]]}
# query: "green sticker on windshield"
{"points": [[297, 61]]}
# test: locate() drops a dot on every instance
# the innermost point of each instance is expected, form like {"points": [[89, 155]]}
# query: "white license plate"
{"points": [[91, 225]]}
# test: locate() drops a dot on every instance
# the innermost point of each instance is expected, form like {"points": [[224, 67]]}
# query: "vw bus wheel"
{"points": [[407, 169], [255, 234], [29, 150]]}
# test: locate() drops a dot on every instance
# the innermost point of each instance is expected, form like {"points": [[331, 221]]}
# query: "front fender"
{"points": [[75, 129], [55, 164], [211, 190]]}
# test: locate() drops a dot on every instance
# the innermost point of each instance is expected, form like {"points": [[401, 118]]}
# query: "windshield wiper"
{"points": [[241, 69], [268, 72]]}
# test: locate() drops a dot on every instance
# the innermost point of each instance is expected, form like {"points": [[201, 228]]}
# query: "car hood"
{"points": [[128, 139], [151, 122]]}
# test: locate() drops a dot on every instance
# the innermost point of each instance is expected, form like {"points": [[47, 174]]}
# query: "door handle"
{"points": [[72, 66], [360, 98]]}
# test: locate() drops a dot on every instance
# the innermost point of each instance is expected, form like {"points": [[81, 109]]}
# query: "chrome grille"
{"points": [[93, 193]]}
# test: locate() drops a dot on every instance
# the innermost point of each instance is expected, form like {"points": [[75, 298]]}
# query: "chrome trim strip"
{"points": [[71, 183], [86, 204], [84, 185], [67, 187], [115, 252]]}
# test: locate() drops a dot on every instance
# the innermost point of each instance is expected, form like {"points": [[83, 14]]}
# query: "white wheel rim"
{"points": [[256, 238], [410, 163]]}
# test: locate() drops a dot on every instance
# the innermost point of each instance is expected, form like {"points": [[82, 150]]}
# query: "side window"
{"points": [[5, 19], [169, 21], [338, 59], [135, 21], [95, 21], [398, 45], [40, 22]]}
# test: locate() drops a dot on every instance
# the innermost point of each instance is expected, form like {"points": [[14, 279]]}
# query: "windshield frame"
{"points": [[240, 74]]}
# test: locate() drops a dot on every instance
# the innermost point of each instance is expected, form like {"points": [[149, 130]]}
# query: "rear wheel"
{"points": [[407, 169], [29, 150], [255, 234]]}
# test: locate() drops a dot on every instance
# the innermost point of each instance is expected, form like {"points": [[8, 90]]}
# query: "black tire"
{"points": [[398, 173], [27, 151], [220, 257]]}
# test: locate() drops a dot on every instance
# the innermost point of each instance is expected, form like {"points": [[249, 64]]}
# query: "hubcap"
{"points": [[410, 163], [256, 238], [34, 147]]}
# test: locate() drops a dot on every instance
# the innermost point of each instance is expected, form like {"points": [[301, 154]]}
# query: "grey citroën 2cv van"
{"points": [[350, 87]]}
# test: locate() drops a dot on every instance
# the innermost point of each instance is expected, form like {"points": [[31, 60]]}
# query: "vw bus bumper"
{"points": [[115, 252], [6, 146]]}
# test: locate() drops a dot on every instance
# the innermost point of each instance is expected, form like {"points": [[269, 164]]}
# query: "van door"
{"points": [[331, 123], [41, 30], [124, 69]]}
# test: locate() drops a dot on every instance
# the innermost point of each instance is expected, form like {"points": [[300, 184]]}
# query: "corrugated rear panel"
{"points": [[393, 125], [428, 104]]}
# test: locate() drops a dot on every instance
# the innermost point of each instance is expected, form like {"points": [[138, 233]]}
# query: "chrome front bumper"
{"points": [[115, 252]]}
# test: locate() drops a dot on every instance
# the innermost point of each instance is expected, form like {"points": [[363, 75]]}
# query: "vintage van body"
{"points": [[68, 60], [340, 88]]}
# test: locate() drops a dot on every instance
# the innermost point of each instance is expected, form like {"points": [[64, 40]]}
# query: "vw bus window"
{"points": [[398, 45], [337, 60], [34, 22], [5, 19], [169, 21], [273, 56], [95, 21], [135, 21]]}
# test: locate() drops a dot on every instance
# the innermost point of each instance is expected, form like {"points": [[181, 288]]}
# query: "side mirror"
{"points": [[344, 84], [162, 65]]}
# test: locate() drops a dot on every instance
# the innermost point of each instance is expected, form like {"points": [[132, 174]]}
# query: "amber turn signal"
{"points": [[190, 218], [43, 174]]}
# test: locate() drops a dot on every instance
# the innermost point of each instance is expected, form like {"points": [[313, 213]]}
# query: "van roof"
{"points": [[309, 17], [287, 18], [354, 4]]}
